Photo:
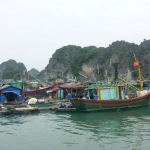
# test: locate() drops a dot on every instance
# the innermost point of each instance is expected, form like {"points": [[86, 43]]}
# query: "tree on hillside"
{"points": [[10, 73]]}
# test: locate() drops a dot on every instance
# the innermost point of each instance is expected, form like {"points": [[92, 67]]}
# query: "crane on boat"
{"points": [[37, 79]]}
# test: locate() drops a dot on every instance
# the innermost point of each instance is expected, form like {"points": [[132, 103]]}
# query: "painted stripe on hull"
{"points": [[109, 104]]}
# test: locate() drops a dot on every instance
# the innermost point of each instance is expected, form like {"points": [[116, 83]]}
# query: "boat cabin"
{"points": [[105, 93]]}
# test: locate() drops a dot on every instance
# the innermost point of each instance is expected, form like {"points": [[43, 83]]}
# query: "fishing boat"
{"points": [[100, 104], [112, 97]]}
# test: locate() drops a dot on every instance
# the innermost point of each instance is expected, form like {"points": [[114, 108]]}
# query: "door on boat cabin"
{"points": [[108, 94]]}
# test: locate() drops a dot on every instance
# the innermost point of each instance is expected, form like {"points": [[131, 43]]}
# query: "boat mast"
{"points": [[136, 64], [139, 74]]}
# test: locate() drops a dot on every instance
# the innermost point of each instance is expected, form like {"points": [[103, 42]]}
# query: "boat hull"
{"points": [[94, 105]]}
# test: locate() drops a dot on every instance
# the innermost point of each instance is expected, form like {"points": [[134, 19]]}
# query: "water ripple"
{"points": [[107, 130]]}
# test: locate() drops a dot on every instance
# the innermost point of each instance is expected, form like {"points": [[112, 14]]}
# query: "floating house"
{"points": [[10, 93], [70, 89]]}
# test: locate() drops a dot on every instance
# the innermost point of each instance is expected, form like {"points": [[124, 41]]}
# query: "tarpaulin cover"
{"points": [[11, 89]]}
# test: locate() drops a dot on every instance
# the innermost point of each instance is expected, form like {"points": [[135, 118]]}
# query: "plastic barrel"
{"points": [[2, 99], [95, 98], [20, 98], [69, 96], [145, 88]]}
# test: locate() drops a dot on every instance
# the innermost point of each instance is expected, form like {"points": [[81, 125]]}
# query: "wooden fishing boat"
{"points": [[93, 105], [113, 97]]}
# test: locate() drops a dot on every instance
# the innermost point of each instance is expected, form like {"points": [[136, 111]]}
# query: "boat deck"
{"points": [[26, 109]]}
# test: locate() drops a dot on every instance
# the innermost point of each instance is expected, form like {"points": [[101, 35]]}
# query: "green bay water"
{"points": [[118, 130]]}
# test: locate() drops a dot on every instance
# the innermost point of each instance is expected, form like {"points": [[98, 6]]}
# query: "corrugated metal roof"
{"points": [[53, 90], [56, 89], [100, 87], [69, 85]]}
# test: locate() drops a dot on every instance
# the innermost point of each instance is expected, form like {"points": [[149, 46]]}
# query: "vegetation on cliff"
{"points": [[87, 63], [69, 60], [12, 70], [75, 56]]}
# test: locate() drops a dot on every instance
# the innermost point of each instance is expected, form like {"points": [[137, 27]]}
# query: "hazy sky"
{"points": [[31, 30]]}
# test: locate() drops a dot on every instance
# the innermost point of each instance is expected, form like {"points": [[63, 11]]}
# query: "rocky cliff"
{"points": [[12, 70], [92, 63]]}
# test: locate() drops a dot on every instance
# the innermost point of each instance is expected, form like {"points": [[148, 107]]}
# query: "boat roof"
{"points": [[100, 87], [72, 85], [53, 90]]}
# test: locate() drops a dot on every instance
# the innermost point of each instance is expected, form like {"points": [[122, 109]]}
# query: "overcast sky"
{"points": [[32, 30]]}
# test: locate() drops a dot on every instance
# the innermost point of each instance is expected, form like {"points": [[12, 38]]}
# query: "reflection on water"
{"points": [[127, 129]]}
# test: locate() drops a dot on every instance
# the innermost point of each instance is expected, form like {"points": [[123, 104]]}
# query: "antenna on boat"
{"points": [[136, 64]]}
